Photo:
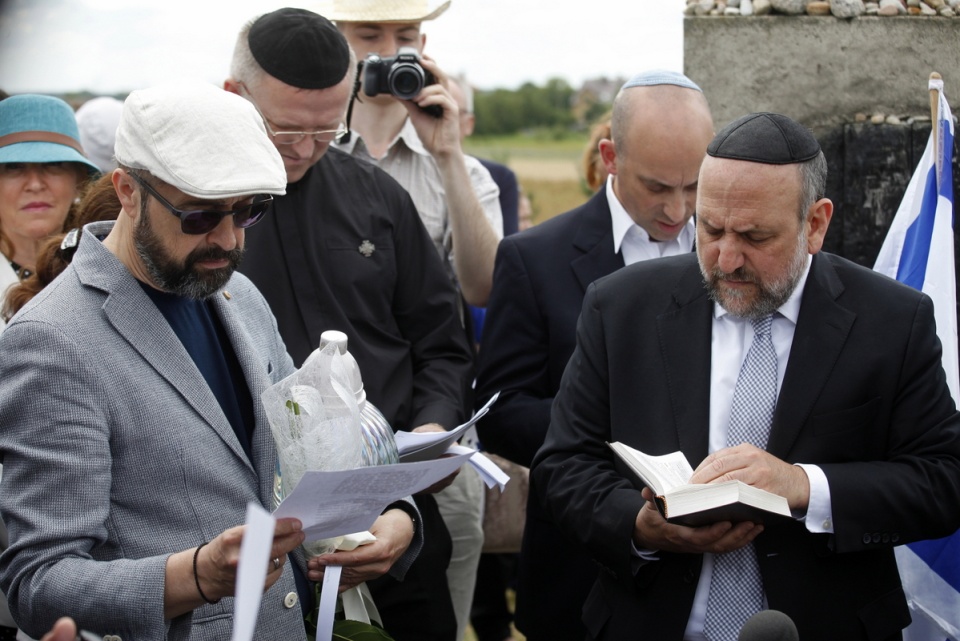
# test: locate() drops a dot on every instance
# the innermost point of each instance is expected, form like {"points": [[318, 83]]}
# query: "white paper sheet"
{"points": [[423, 446], [332, 504], [487, 469], [252, 571]]}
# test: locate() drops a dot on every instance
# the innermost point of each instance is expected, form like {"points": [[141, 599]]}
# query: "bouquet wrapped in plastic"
{"points": [[321, 420]]}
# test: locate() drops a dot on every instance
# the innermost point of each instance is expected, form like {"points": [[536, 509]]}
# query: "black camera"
{"points": [[401, 76]]}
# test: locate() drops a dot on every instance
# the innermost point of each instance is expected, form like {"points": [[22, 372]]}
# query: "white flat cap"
{"points": [[206, 142]]}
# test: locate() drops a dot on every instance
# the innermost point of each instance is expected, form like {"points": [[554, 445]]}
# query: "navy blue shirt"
{"points": [[203, 336]]}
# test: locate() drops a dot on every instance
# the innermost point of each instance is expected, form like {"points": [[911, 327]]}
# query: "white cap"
{"points": [[97, 120], [206, 142]]}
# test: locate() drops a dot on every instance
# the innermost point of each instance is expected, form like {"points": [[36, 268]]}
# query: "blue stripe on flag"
{"points": [[941, 555], [929, 567], [946, 155], [916, 243]]}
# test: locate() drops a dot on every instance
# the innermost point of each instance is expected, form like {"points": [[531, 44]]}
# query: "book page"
{"points": [[660, 473], [672, 469]]}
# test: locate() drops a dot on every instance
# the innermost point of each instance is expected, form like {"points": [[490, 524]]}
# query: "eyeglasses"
{"points": [[293, 137], [204, 221]]}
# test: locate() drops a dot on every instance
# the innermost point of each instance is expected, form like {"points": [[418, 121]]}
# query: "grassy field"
{"points": [[548, 168]]}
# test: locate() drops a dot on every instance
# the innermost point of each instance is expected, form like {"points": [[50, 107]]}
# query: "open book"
{"points": [[696, 504]]}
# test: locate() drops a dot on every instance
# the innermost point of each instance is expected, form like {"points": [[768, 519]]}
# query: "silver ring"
{"points": [[276, 563]]}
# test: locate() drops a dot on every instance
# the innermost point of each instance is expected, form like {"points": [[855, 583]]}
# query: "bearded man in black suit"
{"points": [[861, 435]]}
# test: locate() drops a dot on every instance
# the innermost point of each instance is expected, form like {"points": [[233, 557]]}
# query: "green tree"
{"points": [[504, 111]]}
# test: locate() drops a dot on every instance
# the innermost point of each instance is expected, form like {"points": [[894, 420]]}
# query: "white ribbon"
{"points": [[328, 602]]}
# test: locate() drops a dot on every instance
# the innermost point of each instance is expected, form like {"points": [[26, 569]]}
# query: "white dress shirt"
{"points": [[731, 339], [633, 239]]}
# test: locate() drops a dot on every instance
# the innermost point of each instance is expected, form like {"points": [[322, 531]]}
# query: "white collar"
{"points": [[408, 135], [622, 223]]}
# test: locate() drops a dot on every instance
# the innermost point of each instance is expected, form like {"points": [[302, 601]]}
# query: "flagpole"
{"points": [[935, 111]]}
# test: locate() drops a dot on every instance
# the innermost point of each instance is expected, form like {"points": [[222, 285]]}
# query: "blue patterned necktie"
{"points": [[736, 587]]}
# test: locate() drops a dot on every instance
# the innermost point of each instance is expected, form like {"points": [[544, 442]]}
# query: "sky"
{"points": [[115, 46]]}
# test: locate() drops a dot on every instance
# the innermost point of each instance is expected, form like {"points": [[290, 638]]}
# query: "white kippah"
{"points": [[660, 77]]}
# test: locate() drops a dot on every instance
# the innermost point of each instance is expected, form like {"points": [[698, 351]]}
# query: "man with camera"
{"points": [[345, 249], [415, 137]]}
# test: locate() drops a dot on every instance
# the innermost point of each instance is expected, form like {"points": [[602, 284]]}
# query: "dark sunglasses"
{"points": [[204, 221]]}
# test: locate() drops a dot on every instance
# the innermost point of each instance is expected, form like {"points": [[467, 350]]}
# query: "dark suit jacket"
{"points": [[538, 285], [345, 249], [864, 397], [509, 194]]}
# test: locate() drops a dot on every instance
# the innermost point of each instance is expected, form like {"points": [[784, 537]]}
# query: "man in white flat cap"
{"points": [[134, 436]]}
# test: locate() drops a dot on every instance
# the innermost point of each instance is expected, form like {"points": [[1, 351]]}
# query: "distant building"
{"points": [[594, 98]]}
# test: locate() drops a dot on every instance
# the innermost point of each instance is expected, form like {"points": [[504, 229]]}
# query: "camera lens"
{"points": [[406, 80]]}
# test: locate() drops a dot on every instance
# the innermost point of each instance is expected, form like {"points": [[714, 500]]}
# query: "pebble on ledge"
{"points": [[843, 9]]}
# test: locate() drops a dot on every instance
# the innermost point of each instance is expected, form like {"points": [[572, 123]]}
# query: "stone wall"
{"points": [[860, 85], [821, 71]]}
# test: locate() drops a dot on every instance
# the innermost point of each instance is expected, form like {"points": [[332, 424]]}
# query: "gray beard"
{"points": [[770, 296]]}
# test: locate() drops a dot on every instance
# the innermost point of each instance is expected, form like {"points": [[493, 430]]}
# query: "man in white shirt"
{"points": [[660, 131], [457, 198], [455, 195], [767, 361]]}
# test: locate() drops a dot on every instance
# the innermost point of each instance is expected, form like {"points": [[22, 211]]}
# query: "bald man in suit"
{"points": [[660, 130]]}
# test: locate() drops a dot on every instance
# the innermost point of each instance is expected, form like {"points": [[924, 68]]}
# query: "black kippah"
{"points": [[300, 48], [769, 138]]}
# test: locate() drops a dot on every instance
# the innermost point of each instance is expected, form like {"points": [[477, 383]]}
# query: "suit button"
{"points": [[894, 538], [886, 537], [866, 539], [876, 537], [688, 576], [290, 600]]}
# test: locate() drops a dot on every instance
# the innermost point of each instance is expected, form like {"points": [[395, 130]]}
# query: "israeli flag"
{"points": [[918, 251]]}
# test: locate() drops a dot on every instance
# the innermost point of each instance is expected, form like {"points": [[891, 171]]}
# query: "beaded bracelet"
{"points": [[196, 577]]}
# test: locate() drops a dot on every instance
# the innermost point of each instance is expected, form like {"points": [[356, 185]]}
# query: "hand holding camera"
{"points": [[402, 76]]}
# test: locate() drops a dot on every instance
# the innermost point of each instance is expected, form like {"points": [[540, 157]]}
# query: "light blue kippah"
{"points": [[661, 77]]}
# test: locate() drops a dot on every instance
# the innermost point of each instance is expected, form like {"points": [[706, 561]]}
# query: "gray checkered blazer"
{"points": [[116, 454]]}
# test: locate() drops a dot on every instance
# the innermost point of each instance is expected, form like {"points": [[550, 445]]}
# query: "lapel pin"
{"points": [[227, 295], [366, 248]]}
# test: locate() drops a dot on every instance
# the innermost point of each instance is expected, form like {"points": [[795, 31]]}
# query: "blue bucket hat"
{"points": [[38, 129]]}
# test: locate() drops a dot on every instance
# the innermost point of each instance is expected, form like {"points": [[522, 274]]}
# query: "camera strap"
{"points": [[354, 96]]}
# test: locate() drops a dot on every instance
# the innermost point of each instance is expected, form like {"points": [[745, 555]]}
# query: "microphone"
{"points": [[769, 625]]}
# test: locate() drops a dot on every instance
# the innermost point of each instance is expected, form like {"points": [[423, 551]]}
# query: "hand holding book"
{"points": [[760, 469], [654, 533], [697, 504]]}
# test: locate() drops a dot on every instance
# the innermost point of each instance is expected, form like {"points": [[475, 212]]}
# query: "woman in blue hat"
{"points": [[42, 167]]}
